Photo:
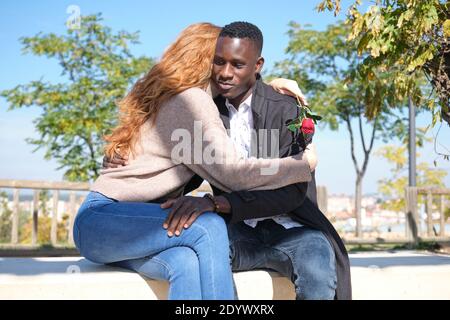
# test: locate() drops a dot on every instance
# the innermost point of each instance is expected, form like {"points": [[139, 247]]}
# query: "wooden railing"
{"points": [[414, 232], [74, 202], [37, 186], [56, 187]]}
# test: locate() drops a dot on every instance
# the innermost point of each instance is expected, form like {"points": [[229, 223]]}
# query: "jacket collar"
{"points": [[258, 102], [257, 105], [223, 111]]}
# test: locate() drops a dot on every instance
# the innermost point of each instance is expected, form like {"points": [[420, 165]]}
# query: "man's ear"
{"points": [[259, 65]]}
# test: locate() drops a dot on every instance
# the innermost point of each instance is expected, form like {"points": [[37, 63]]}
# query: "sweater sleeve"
{"points": [[200, 141]]}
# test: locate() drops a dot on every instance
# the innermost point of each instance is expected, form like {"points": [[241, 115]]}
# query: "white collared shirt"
{"points": [[241, 126]]}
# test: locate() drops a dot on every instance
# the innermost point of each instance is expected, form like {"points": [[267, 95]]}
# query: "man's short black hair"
{"points": [[241, 30]]}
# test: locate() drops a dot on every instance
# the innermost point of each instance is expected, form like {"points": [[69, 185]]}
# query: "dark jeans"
{"points": [[301, 253]]}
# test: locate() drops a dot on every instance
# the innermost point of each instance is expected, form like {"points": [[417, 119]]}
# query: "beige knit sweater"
{"points": [[187, 138]]}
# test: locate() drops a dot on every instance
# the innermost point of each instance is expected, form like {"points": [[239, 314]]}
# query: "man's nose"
{"points": [[226, 72]]}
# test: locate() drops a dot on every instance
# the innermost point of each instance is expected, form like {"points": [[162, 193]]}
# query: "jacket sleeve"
{"points": [[266, 203]]}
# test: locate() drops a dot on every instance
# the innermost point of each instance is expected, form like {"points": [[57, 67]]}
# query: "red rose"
{"points": [[307, 126]]}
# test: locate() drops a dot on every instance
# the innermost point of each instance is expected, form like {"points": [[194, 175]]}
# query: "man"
{"points": [[279, 229]]}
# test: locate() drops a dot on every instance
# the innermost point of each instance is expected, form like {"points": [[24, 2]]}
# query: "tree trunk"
{"points": [[445, 113], [358, 198], [360, 172]]}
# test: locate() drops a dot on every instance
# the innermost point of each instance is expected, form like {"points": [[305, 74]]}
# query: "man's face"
{"points": [[236, 63]]}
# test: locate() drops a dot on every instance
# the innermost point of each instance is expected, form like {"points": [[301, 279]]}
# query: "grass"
{"points": [[40, 250], [431, 246]]}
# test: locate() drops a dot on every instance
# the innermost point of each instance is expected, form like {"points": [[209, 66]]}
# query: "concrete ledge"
{"points": [[385, 275]]}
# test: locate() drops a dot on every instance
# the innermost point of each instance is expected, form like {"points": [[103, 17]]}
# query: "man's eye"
{"points": [[219, 62], [239, 65]]}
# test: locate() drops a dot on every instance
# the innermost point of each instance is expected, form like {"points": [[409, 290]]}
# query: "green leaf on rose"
{"points": [[292, 127], [315, 117]]}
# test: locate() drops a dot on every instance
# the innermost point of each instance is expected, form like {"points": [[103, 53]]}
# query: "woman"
{"points": [[168, 112]]}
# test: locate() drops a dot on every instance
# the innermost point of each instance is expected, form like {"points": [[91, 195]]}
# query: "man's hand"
{"points": [[184, 212], [116, 161]]}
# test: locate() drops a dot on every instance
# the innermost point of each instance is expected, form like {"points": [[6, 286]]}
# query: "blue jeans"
{"points": [[130, 235], [302, 254]]}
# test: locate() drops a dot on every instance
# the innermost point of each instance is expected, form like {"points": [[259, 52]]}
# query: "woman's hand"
{"points": [[288, 87], [116, 161], [311, 156], [184, 212]]}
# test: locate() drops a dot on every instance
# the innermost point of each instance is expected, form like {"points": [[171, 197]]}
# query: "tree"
{"points": [[44, 197], [326, 65], [98, 68], [406, 37], [44, 230], [394, 186], [26, 222]]}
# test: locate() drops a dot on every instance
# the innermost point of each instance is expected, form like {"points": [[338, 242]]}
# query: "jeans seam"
{"points": [[164, 264], [333, 258], [123, 216], [212, 260], [78, 236], [287, 253], [78, 219], [89, 206]]}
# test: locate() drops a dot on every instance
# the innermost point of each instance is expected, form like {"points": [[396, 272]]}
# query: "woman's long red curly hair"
{"points": [[185, 64]]}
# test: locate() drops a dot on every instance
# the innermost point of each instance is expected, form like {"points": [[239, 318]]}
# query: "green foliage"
{"points": [[26, 222], [44, 230], [98, 68], [408, 38], [326, 66], [44, 224], [44, 196], [394, 186], [5, 219]]}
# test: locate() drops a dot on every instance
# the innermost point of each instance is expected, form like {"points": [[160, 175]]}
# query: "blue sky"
{"points": [[159, 22]]}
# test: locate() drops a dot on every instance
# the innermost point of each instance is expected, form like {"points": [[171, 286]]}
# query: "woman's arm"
{"points": [[289, 87], [214, 156]]}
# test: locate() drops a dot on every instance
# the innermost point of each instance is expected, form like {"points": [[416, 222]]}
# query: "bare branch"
{"points": [[352, 143], [374, 129], [367, 152], [66, 66], [361, 132], [90, 145]]}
